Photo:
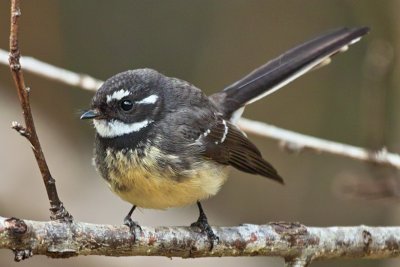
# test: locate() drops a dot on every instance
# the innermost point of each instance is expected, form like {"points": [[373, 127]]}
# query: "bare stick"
{"points": [[55, 73], [56, 207], [298, 142], [296, 243], [291, 140]]}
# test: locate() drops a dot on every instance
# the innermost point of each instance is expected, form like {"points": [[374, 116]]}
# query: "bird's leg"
{"points": [[202, 224], [130, 223]]}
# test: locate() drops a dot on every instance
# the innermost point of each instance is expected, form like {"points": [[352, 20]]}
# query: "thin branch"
{"points": [[298, 142], [296, 243], [291, 140], [55, 73], [28, 131]]}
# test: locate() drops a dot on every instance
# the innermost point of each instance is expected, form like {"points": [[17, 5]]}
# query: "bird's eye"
{"points": [[126, 105]]}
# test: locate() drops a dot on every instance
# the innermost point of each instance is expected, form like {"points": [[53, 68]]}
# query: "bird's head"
{"points": [[126, 103]]}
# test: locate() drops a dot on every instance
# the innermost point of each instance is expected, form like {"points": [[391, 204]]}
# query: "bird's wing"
{"points": [[226, 144]]}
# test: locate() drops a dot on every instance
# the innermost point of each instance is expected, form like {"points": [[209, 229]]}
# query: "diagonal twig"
{"points": [[58, 212], [297, 142], [52, 72]]}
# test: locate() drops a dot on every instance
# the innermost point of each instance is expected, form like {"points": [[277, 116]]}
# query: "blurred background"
{"points": [[211, 44]]}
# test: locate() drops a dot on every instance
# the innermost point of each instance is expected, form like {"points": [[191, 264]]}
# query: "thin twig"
{"points": [[55, 73], [298, 142], [296, 243], [28, 131]]}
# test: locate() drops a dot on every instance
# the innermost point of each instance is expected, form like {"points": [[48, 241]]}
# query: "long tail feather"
{"points": [[284, 69]]}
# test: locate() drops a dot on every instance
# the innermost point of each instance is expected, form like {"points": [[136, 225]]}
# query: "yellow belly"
{"points": [[144, 185]]}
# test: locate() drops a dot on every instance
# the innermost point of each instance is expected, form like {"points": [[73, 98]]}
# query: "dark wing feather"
{"points": [[227, 145]]}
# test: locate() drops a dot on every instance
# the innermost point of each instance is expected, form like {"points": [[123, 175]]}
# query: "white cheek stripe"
{"points": [[116, 128], [148, 100], [118, 95]]}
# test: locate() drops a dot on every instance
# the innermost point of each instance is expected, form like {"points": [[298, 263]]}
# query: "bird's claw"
{"points": [[204, 227], [133, 226]]}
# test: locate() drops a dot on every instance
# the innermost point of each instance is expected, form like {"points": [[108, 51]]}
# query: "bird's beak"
{"points": [[90, 114]]}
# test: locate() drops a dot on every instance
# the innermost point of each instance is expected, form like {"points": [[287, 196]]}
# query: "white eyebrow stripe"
{"points": [[148, 100], [118, 95]]}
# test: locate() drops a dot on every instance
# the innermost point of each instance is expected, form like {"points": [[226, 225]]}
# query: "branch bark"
{"points": [[297, 244], [28, 131]]}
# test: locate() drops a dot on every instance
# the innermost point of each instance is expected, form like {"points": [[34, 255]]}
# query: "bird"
{"points": [[160, 142]]}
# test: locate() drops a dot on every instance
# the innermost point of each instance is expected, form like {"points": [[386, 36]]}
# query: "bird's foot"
{"points": [[133, 226], [202, 224]]}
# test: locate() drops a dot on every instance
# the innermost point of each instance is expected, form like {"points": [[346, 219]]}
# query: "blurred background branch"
{"points": [[49, 71]]}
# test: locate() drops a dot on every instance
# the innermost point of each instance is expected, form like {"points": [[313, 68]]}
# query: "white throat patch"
{"points": [[118, 95], [116, 128]]}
